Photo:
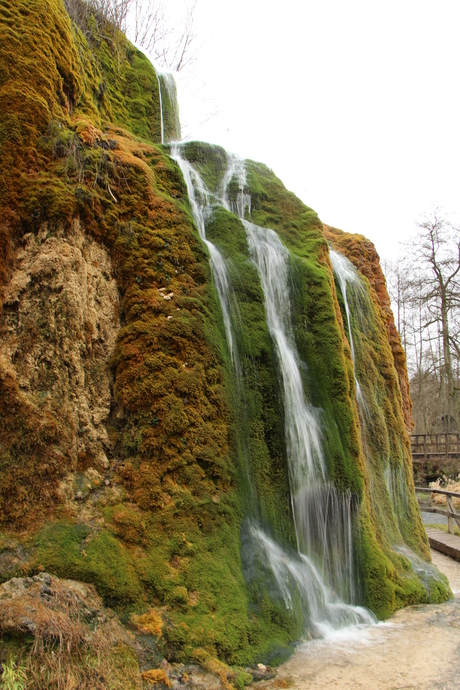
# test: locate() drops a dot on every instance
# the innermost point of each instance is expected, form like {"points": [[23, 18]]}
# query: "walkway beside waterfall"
{"points": [[416, 649], [444, 542]]}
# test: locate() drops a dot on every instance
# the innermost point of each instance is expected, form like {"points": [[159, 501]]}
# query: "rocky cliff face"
{"points": [[122, 445]]}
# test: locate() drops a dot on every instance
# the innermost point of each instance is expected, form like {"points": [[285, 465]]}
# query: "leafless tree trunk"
{"points": [[171, 43], [426, 291], [440, 252]]}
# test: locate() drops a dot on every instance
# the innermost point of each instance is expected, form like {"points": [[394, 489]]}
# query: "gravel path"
{"points": [[433, 518]]}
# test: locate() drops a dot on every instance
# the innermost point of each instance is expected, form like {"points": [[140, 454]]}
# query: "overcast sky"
{"points": [[354, 104]]}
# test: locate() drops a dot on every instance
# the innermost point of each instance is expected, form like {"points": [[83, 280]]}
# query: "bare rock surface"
{"points": [[57, 334], [417, 648]]}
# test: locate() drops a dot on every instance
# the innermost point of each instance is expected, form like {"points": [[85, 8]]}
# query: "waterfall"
{"points": [[321, 573], [170, 126], [302, 427], [323, 516], [236, 169], [161, 110], [321, 609], [346, 274], [174, 128]]}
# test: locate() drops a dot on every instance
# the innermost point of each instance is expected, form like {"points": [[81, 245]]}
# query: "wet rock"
{"points": [[260, 672]]}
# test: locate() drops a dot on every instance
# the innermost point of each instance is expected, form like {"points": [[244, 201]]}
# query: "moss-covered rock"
{"points": [[130, 457]]}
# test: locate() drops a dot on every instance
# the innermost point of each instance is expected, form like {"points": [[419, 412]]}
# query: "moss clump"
{"points": [[71, 550], [210, 161]]}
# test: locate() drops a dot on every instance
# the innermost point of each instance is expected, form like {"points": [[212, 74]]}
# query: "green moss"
{"points": [[71, 550], [210, 161]]}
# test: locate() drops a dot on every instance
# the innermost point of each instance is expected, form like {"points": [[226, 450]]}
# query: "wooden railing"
{"points": [[451, 515], [426, 445]]}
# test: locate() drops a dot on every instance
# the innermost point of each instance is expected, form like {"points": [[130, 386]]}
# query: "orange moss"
{"points": [[156, 675], [150, 623]]}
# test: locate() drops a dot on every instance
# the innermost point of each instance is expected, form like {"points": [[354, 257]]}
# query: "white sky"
{"points": [[353, 103]]}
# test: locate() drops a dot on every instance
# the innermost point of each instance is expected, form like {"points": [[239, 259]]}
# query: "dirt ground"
{"points": [[418, 647]]}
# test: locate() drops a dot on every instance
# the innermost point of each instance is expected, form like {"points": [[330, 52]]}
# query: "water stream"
{"points": [[347, 276], [201, 200], [162, 126], [323, 516]]}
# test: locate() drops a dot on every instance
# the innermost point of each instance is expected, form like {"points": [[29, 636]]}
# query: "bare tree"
{"points": [[106, 12], [439, 251], [170, 42], [429, 318], [399, 290], [148, 26]]}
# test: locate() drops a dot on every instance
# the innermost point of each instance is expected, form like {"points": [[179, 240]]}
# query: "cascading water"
{"points": [[162, 124], [323, 517], [302, 428], [200, 199], [169, 126], [347, 275], [174, 128], [298, 578], [236, 169]]}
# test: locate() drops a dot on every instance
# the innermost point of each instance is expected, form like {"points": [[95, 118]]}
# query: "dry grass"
{"points": [[63, 639], [448, 485]]}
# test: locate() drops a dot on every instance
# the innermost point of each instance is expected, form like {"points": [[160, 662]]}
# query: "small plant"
{"points": [[13, 677]]}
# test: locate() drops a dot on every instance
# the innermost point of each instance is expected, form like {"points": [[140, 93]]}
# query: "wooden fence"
{"points": [[426, 446], [451, 514]]}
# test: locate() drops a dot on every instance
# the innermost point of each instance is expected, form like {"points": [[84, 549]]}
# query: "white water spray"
{"points": [[355, 300], [303, 431], [236, 169], [323, 611]]}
